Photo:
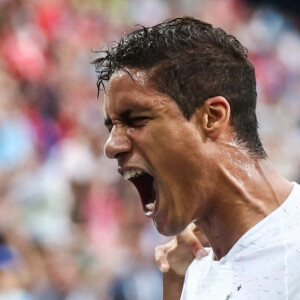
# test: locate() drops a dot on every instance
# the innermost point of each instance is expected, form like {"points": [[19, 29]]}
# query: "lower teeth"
{"points": [[150, 206]]}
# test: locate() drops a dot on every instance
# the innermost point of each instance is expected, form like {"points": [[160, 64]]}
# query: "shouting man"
{"points": [[180, 107]]}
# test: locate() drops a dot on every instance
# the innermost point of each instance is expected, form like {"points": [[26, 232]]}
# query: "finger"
{"points": [[188, 237], [161, 258]]}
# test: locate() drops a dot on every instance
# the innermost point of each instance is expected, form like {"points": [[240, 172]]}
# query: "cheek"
{"points": [[176, 148], [167, 148]]}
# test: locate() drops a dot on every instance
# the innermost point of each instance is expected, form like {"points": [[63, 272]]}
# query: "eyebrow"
{"points": [[108, 122], [125, 115]]}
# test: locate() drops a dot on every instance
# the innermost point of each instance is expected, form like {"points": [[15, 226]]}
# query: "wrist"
{"points": [[171, 276], [172, 285]]}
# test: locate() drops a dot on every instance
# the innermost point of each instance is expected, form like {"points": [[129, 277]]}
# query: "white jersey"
{"points": [[264, 263]]}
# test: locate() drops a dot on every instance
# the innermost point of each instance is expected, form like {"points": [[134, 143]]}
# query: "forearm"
{"points": [[172, 286]]}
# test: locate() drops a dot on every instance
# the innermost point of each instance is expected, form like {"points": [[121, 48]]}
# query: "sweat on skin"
{"points": [[201, 173]]}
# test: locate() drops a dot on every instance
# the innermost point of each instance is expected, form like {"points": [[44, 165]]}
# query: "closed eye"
{"points": [[132, 122], [138, 121]]}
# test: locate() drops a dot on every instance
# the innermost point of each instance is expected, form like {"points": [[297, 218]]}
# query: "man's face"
{"points": [[157, 149]]}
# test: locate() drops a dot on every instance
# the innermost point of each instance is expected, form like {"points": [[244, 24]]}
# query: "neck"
{"points": [[251, 190]]}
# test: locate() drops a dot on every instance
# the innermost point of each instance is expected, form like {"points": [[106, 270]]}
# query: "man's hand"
{"points": [[177, 255]]}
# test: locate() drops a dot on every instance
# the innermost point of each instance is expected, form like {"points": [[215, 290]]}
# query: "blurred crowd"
{"points": [[70, 228]]}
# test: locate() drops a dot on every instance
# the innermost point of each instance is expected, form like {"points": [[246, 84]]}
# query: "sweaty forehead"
{"points": [[134, 90], [122, 79]]}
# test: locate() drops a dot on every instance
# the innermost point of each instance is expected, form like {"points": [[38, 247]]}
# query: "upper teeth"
{"points": [[132, 173]]}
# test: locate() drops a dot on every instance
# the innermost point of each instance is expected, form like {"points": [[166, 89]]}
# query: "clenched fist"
{"points": [[178, 254]]}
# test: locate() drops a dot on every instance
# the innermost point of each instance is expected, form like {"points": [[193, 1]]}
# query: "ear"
{"points": [[213, 116]]}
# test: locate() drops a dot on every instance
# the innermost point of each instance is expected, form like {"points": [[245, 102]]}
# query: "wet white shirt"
{"points": [[264, 263]]}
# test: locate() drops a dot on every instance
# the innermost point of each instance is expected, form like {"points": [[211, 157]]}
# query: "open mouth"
{"points": [[146, 186]]}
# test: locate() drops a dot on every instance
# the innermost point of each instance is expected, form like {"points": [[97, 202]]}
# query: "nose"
{"points": [[116, 144]]}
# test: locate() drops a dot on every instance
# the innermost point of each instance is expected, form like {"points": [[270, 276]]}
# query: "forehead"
{"points": [[134, 91]]}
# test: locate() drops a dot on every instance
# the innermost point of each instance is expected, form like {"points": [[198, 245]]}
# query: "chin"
{"points": [[169, 229]]}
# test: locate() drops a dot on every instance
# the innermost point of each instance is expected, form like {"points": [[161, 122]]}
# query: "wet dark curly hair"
{"points": [[191, 61]]}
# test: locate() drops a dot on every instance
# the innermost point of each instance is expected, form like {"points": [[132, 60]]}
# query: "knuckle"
{"points": [[158, 248], [159, 251], [158, 255]]}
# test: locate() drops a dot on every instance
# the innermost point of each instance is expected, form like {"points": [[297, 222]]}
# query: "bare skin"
{"points": [[249, 204], [174, 258], [215, 183]]}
